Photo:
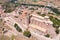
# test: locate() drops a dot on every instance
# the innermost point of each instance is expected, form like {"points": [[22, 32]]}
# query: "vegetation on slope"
{"points": [[56, 23], [55, 10], [10, 6]]}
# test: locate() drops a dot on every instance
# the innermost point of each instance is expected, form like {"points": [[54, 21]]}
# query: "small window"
{"points": [[16, 16], [3, 29]]}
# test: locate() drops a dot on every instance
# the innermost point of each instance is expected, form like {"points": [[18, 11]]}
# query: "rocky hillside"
{"points": [[55, 2]]}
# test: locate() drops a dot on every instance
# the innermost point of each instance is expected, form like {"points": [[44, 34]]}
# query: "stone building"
{"points": [[39, 24], [43, 24]]}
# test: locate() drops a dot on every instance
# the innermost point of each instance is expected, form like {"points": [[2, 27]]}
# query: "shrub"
{"points": [[57, 31], [17, 28], [27, 33], [42, 15], [56, 22], [31, 9], [47, 35], [39, 13], [55, 26]]}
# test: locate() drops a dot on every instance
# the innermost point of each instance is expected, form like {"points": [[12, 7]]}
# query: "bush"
{"points": [[31, 9], [57, 31], [39, 13], [27, 33], [47, 35], [42, 15], [55, 26], [17, 28], [55, 21]]}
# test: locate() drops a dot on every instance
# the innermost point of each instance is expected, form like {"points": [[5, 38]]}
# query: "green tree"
{"points": [[27, 33], [17, 28]]}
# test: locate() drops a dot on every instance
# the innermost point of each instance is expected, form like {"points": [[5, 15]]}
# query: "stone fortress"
{"points": [[32, 21]]}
